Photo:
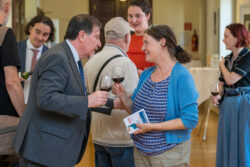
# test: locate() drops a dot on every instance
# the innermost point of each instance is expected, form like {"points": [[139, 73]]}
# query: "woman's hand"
{"points": [[143, 128], [124, 100], [117, 89], [215, 99]]}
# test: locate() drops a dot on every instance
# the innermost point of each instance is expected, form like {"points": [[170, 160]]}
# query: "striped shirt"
{"points": [[152, 97], [241, 66]]}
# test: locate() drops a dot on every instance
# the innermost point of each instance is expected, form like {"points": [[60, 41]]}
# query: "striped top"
{"points": [[240, 66], [152, 97]]}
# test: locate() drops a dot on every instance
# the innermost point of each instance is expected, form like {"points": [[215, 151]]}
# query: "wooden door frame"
{"points": [[93, 5], [18, 18]]}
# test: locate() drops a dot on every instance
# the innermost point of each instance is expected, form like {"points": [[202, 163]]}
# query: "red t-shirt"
{"points": [[136, 54]]}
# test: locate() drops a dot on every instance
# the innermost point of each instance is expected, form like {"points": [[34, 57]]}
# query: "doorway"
{"points": [[104, 10], [18, 19]]}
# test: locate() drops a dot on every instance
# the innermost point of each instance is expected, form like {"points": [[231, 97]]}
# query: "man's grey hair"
{"points": [[2, 3]]}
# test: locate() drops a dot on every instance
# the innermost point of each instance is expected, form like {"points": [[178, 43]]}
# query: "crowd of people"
{"points": [[62, 100]]}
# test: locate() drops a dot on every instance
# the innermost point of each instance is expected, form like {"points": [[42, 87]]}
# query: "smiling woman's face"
{"points": [[137, 19], [151, 47]]}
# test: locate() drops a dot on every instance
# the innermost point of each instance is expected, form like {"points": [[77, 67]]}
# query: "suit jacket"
{"points": [[54, 128], [22, 46]]}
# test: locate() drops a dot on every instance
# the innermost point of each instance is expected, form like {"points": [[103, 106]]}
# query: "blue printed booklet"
{"points": [[138, 117]]}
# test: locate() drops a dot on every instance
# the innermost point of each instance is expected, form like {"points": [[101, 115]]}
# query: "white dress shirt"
{"points": [[74, 52], [29, 55]]}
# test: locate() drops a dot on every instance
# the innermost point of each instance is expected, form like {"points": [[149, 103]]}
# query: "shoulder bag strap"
{"points": [[99, 73]]}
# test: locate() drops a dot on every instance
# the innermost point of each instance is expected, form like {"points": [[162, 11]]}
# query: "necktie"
{"points": [[82, 76], [34, 59]]}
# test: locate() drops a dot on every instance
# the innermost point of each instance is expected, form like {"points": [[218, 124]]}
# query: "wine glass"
{"points": [[118, 75], [215, 90], [105, 84]]}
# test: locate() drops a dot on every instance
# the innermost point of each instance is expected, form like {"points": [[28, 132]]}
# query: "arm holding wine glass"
{"points": [[230, 78], [97, 99], [216, 98], [124, 101]]}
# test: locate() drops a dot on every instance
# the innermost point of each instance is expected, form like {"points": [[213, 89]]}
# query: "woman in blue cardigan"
{"points": [[167, 93]]}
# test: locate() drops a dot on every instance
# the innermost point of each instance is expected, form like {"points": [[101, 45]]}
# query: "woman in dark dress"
{"points": [[233, 141]]}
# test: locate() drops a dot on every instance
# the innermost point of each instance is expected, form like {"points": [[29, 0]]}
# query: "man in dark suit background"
{"points": [[39, 30], [54, 128]]}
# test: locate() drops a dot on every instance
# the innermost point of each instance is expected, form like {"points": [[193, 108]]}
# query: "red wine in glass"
{"points": [[118, 80], [214, 93], [107, 89], [105, 83], [215, 89], [118, 74]]}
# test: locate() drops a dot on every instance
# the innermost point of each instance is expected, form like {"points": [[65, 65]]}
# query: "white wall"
{"points": [[175, 13], [238, 4], [226, 18], [63, 11], [31, 5], [212, 31]]}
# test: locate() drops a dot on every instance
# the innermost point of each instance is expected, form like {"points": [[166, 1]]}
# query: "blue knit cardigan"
{"points": [[181, 101]]}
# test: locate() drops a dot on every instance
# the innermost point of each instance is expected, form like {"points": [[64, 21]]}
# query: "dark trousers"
{"points": [[9, 160], [114, 156], [23, 162]]}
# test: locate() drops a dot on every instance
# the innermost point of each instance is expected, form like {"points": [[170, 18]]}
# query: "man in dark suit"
{"points": [[39, 30], [54, 128]]}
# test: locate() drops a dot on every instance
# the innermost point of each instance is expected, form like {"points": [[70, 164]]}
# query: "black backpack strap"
{"points": [[99, 73]]}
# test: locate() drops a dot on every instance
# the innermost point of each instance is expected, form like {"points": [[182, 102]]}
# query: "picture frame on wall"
{"points": [[245, 16]]}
